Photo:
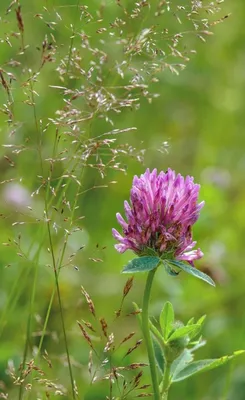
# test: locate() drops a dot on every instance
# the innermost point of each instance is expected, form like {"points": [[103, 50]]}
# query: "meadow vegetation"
{"points": [[92, 94]]}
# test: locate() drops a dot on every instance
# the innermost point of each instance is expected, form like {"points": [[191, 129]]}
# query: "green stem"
{"points": [[28, 343], [45, 323], [147, 334], [166, 381], [56, 275]]}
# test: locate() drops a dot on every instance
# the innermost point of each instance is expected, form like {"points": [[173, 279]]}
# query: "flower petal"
{"points": [[190, 255]]}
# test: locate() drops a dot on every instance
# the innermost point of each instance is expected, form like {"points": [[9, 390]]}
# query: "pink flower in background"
{"points": [[15, 195], [163, 207]]}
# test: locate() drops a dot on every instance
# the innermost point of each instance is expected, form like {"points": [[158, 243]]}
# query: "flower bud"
{"points": [[175, 347]]}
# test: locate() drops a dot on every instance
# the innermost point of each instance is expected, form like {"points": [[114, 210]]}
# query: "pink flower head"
{"points": [[163, 207]]}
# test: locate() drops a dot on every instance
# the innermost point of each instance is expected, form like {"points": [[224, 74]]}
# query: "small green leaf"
{"points": [[154, 331], [167, 319], [191, 270], [190, 322], [158, 355], [141, 264], [202, 366], [201, 320], [182, 332], [198, 345], [181, 362], [170, 270], [199, 325]]}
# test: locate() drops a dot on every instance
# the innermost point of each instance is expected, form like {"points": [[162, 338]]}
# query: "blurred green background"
{"points": [[195, 126]]}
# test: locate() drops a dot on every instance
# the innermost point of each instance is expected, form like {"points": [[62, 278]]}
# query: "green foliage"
{"points": [[148, 263], [158, 355], [182, 332], [88, 93], [141, 264], [175, 341], [166, 319], [190, 270], [196, 367]]}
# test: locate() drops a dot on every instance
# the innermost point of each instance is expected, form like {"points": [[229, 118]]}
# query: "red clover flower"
{"points": [[160, 217]]}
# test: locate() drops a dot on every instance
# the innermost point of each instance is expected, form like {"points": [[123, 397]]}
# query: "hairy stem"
{"points": [[147, 334], [166, 381]]}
